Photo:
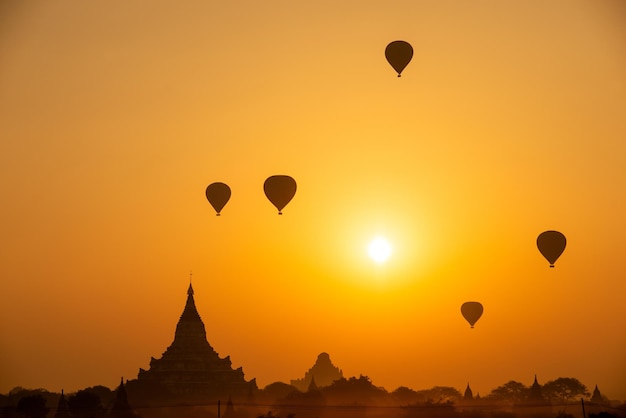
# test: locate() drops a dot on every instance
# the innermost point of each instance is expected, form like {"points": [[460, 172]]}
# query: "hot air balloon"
{"points": [[551, 245], [218, 195], [472, 311], [279, 190], [399, 54]]}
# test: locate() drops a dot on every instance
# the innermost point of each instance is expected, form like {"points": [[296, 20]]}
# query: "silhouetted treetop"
{"points": [[33, 406], [564, 389], [85, 404], [511, 391], [405, 396], [441, 394], [277, 390], [355, 391]]}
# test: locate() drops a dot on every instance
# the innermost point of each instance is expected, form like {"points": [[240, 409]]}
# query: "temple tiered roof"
{"points": [[323, 373], [190, 369]]}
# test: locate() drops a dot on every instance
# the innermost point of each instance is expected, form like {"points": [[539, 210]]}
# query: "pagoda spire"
{"points": [[468, 393], [62, 408], [596, 396], [121, 408], [190, 312], [190, 328], [535, 394]]}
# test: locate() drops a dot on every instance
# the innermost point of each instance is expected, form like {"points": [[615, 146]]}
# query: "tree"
{"points": [[564, 389], [277, 390], [355, 391], [405, 396], [440, 394], [33, 406], [511, 391], [85, 404]]}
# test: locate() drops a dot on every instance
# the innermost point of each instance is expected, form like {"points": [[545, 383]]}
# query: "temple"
{"points": [[322, 374], [190, 370], [535, 393], [597, 396], [121, 408], [62, 408], [468, 396]]}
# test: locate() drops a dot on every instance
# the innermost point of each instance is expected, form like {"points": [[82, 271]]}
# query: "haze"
{"points": [[509, 121]]}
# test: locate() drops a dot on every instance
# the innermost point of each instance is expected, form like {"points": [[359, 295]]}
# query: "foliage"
{"points": [[33, 406], [564, 389], [511, 391], [405, 396], [85, 404], [277, 390], [354, 391], [439, 394]]}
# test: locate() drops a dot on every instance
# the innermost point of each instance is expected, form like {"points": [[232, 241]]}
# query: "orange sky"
{"points": [[115, 116]]}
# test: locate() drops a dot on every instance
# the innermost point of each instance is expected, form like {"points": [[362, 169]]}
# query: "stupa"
{"points": [[597, 396], [535, 394], [190, 370], [468, 396]]}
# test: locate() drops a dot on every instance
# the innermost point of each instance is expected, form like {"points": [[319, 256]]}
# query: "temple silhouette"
{"points": [[190, 371], [323, 373]]}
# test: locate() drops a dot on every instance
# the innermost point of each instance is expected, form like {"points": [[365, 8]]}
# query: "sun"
{"points": [[379, 250]]}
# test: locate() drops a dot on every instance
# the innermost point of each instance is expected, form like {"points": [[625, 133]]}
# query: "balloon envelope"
{"points": [[472, 311], [399, 54], [218, 195], [551, 245], [280, 190]]}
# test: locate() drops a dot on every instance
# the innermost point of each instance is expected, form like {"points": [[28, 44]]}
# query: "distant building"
{"points": [[323, 373], [121, 408], [190, 370], [597, 396], [62, 409], [535, 394], [468, 396]]}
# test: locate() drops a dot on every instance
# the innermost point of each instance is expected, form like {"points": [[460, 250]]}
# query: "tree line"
{"points": [[99, 401]]}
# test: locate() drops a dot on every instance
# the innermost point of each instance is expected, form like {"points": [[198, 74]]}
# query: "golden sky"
{"points": [[115, 115]]}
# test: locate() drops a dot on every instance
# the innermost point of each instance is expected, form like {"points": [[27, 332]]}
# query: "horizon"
{"points": [[290, 381], [413, 194]]}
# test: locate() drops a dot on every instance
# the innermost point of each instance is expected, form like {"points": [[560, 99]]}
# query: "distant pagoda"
{"points": [[62, 408], [535, 394], [597, 396], [190, 370], [121, 408], [468, 396], [323, 373]]}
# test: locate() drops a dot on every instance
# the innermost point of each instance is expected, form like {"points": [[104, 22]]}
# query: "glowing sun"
{"points": [[379, 250]]}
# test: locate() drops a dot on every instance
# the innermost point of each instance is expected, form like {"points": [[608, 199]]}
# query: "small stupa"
{"points": [[468, 396], [596, 396], [62, 408]]}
